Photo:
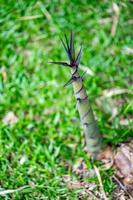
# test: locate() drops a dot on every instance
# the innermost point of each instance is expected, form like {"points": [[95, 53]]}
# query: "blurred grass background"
{"points": [[47, 140]]}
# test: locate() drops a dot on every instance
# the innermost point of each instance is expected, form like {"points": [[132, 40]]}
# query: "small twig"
{"points": [[122, 187], [4, 192], [92, 194], [115, 19], [31, 17], [100, 182], [41, 37], [46, 13]]}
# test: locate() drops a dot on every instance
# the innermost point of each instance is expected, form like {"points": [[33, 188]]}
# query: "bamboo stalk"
{"points": [[89, 124]]}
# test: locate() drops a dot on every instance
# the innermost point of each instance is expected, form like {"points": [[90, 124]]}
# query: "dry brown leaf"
{"points": [[74, 185], [79, 166], [121, 192], [124, 163], [81, 169], [126, 122], [110, 105], [50, 110], [114, 91], [10, 118], [107, 157]]}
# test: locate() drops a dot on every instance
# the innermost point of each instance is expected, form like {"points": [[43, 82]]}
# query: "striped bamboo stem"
{"points": [[89, 124]]}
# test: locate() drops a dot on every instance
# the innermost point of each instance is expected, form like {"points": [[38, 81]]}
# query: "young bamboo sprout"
{"points": [[92, 134]]}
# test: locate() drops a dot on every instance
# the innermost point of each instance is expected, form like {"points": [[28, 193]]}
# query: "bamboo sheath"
{"points": [[89, 124]]}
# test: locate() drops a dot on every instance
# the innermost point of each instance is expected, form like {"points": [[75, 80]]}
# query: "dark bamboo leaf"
{"points": [[78, 56], [69, 82], [65, 47], [67, 43], [60, 63], [68, 48], [72, 50]]}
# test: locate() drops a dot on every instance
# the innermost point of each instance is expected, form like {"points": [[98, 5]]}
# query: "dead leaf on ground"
{"points": [[81, 169], [110, 105], [10, 118], [126, 122], [119, 194], [50, 110], [72, 184], [115, 91], [23, 159], [107, 157], [121, 160], [87, 188], [124, 163]]}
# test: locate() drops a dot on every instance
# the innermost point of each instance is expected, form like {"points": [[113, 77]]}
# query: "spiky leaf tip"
{"points": [[70, 50]]}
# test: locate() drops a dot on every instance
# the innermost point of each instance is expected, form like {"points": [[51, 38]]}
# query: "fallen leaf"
{"points": [[115, 91], [127, 50], [10, 118], [75, 185], [110, 105], [124, 163], [50, 110], [81, 169], [125, 121], [23, 159], [107, 157]]}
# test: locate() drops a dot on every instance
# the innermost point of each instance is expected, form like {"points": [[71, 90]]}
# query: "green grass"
{"points": [[45, 132]]}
